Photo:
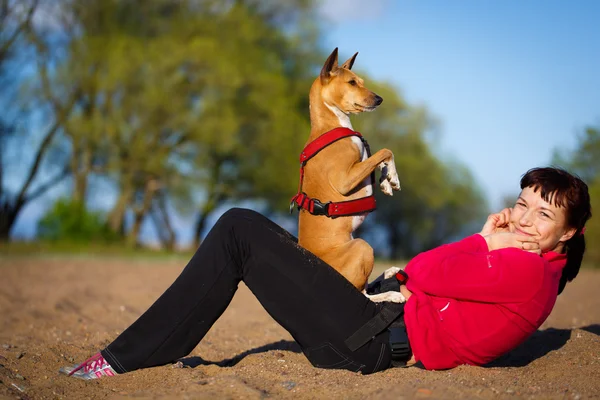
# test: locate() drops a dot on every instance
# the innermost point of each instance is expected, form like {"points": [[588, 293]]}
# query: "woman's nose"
{"points": [[525, 219]]}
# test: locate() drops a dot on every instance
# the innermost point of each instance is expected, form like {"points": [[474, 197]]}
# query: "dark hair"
{"points": [[566, 190]]}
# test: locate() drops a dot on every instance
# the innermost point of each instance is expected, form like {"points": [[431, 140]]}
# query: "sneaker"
{"points": [[93, 368]]}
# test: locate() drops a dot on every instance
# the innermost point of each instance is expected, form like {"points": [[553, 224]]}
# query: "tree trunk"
{"points": [[162, 222], [81, 167], [8, 215], [132, 236], [205, 212], [116, 216], [200, 224], [140, 213]]}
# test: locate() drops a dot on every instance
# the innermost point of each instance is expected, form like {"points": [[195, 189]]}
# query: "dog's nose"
{"points": [[378, 100]]}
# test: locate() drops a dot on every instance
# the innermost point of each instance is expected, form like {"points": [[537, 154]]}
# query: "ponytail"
{"points": [[575, 249]]}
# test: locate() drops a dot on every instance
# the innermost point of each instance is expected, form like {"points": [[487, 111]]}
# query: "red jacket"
{"points": [[471, 305]]}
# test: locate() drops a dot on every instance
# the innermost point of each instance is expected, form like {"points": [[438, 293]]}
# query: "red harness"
{"points": [[331, 209]]}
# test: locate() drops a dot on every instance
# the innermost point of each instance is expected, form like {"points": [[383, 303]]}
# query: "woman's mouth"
{"points": [[519, 231]]}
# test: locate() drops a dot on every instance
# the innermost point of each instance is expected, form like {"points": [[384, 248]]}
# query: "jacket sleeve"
{"points": [[466, 270]]}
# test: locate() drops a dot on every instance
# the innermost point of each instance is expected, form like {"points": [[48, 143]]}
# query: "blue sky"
{"points": [[509, 81]]}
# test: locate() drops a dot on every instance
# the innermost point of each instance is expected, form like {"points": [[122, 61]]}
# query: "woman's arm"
{"points": [[497, 222], [469, 271]]}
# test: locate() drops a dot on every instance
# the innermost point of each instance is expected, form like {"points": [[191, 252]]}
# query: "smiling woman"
{"points": [[567, 209], [549, 216]]}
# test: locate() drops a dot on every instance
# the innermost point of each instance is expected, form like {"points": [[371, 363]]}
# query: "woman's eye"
{"points": [[352, 82], [521, 204], [543, 214]]}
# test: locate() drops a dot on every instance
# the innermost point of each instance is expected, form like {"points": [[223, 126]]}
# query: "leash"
{"points": [[331, 209]]}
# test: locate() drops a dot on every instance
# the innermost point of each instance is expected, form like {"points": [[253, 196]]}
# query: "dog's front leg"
{"points": [[345, 181], [389, 180]]}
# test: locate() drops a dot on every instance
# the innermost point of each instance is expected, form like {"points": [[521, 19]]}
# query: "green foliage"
{"points": [[584, 160], [184, 96], [70, 221], [592, 233], [186, 105]]}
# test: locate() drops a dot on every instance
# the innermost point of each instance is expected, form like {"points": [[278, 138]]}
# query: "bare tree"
{"points": [[16, 28]]}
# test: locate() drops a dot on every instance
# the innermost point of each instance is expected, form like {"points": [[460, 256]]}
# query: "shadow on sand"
{"points": [[285, 345], [538, 345]]}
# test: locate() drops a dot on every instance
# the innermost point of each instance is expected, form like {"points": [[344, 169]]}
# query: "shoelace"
{"points": [[94, 363]]}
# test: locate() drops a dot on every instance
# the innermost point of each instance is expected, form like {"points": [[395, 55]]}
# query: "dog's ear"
{"points": [[331, 64], [350, 62]]}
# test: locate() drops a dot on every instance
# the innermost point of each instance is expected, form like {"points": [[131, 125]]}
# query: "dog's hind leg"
{"points": [[394, 297], [354, 260]]}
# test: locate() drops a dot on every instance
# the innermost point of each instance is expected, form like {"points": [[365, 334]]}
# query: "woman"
{"points": [[467, 302]]}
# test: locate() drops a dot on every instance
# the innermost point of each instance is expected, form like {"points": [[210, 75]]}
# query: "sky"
{"points": [[508, 82]]}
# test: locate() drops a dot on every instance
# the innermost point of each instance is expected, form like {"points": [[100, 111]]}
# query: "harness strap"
{"points": [[401, 351], [350, 207], [325, 140], [384, 318], [330, 209]]}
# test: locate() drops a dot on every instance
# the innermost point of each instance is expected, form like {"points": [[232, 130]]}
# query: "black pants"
{"points": [[311, 300]]}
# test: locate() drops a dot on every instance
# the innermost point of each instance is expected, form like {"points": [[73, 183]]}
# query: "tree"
{"points": [[184, 97], [584, 160], [16, 25], [260, 118]]}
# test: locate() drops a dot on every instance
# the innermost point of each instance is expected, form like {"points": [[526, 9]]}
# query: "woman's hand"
{"points": [[502, 240], [405, 292], [497, 222]]}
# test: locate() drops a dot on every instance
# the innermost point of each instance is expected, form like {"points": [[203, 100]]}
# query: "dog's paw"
{"points": [[388, 273], [394, 297], [386, 187], [394, 181]]}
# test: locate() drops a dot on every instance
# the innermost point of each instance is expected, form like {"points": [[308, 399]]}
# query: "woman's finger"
{"points": [[528, 243], [506, 213]]}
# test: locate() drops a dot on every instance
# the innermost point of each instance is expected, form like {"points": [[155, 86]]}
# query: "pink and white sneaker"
{"points": [[93, 368]]}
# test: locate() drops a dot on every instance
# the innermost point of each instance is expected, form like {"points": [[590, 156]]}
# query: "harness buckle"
{"points": [[320, 208]]}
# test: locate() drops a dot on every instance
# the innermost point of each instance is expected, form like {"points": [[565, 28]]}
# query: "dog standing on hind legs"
{"points": [[337, 175]]}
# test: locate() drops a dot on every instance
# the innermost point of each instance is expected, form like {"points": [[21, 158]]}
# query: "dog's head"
{"points": [[343, 89]]}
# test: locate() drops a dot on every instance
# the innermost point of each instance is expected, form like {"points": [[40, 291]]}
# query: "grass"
{"points": [[45, 250]]}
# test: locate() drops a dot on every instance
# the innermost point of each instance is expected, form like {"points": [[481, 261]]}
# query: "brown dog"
{"points": [[340, 173]]}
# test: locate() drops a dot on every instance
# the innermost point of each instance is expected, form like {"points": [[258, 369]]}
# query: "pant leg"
{"points": [[307, 297]]}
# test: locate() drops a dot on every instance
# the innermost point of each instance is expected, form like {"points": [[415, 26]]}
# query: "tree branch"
{"points": [[11, 40], [51, 182], [41, 151]]}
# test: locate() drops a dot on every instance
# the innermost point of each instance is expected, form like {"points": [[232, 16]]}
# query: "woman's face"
{"points": [[545, 222]]}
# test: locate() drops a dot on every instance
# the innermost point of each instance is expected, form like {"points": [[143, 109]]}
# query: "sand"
{"points": [[58, 311]]}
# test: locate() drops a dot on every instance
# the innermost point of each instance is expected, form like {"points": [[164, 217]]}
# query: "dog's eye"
{"points": [[352, 82]]}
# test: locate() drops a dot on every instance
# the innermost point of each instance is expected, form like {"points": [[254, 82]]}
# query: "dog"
{"points": [[337, 175]]}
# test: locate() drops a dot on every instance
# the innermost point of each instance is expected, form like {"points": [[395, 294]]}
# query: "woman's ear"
{"points": [[568, 234]]}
